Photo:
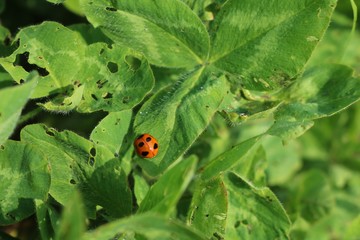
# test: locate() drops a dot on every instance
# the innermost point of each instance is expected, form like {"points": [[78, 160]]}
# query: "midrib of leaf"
{"points": [[263, 33], [183, 98], [198, 59]]}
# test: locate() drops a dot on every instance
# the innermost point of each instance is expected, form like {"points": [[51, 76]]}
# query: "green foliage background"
{"points": [[254, 105]]}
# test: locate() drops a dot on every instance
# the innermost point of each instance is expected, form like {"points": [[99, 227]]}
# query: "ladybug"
{"points": [[146, 146]]}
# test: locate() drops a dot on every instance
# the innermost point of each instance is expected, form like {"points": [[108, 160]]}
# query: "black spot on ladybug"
{"points": [[155, 146], [140, 136], [144, 154], [141, 144], [148, 139]]}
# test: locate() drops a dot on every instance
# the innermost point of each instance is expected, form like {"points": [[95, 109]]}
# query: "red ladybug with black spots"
{"points": [[146, 146]]}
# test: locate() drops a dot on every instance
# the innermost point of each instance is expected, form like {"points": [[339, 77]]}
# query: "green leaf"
{"points": [[352, 231], [149, 225], [322, 91], [283, 161], [25, 175], [43, 219], [256, 41], [178, 114], [67, 104], [141, 188], [111, 130], [314, 197], [65, 151], [208, 210], [166, 192], [74, 6], [179, 41], [13, 99], [253, 165], [56, 1], [56, 50], [115, 78], [239, 154], [76, 75], [253, 213], [108, 187], [72, 224]]}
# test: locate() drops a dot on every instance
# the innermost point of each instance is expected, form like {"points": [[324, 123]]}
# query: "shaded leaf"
{"points": [[108, 187], [25, 176], [72, 223]]}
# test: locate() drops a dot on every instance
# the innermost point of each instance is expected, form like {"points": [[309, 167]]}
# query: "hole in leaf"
{"points": [[107, 95], [91, 161], [72, 181], [94, 97], [116, 155], [218, 236], [101, 83], [2, 147], [22, 81], [207, 215], [102, 51], [237, 224], [93, 152], [111, 9], [113, 67], [245, 222], [133, 62], [22, 60], [9, 215], [50, 133]]}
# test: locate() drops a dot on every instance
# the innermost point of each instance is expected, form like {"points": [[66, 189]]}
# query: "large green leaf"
{"points": [[25, 176], [167, 32], [13, 99], [208, 208], [165, 193], [267, 44], [76, 75], [152, 226], [55, 50], [178, 114], [65, 151], [75, 162], [253, 213], [115, 78]]}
